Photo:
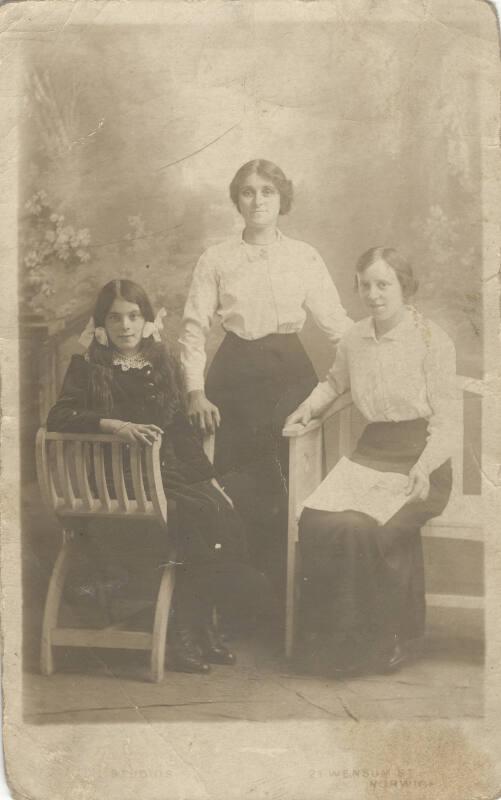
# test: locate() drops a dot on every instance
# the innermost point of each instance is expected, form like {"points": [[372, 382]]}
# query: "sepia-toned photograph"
{"points": [[255, 355]]}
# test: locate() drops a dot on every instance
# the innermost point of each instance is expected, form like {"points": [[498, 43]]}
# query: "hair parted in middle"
{"points": [[166, 373], [402, 268], [269, 171], [121, 289]]}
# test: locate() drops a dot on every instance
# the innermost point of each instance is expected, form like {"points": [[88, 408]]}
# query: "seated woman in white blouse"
{"points": [[362, 593], [260, 284]]}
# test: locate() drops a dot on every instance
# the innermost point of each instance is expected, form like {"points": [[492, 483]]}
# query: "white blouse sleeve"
{"points": [[201, 305], [336, 383], [322, 299], [443, 425]]}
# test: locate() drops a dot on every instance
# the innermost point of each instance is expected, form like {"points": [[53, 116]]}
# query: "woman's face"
{"points": [[259, 202], [381, 292], [124, 325]]}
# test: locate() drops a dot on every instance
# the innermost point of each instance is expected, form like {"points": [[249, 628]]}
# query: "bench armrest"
{"points": [[293, 431]]}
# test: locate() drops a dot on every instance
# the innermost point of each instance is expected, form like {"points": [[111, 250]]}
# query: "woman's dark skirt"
{"points": [[362, 579], [256, 384]]}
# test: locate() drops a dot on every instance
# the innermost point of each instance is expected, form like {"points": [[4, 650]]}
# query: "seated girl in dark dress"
{"points": [[126, 384], [362, 589]]}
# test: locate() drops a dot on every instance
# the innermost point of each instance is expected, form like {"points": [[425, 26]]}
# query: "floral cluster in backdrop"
{"points": [[67, 253], [51, 247], [63, 268]]}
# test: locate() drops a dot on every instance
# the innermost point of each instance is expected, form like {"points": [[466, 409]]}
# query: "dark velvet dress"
{"points": [[209, 535]]}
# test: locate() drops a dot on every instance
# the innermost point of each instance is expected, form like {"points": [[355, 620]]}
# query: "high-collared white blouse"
{"points": [[257, 290], [408, 373]]}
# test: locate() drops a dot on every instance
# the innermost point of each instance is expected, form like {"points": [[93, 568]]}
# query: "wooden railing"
{"points": [[44, 341], [45, 348]]}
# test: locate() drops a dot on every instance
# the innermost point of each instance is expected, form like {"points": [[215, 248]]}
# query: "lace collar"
{"points": [[126, 362], [133, 361]]}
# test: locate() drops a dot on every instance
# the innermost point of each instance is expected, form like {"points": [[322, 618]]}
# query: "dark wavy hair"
{"points": [[166, 372], [402, 268], [269, 171]]}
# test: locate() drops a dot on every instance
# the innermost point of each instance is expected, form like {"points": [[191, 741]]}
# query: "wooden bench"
{"points": [[316, 447]]}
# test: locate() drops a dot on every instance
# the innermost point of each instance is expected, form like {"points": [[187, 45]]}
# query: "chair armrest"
{"points": [[67, 451], [472, 385], [293, 431], [111, 438]]}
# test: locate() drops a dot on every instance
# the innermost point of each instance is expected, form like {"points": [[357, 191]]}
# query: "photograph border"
{"points": [[271, 759]]}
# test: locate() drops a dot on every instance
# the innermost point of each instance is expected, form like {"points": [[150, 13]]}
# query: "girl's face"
{"points": [[259, 202], [381, 292], [124, 325]]}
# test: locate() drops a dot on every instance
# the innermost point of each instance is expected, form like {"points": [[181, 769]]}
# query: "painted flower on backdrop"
{"points": [[49, 242]]}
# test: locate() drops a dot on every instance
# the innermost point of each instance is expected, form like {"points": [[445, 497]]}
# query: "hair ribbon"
{"points": [[154, 328], [150, 329], [87, 335]]}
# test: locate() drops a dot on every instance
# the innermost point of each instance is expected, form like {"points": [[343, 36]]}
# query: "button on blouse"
{"points": [[408, 373], [255, 291]]}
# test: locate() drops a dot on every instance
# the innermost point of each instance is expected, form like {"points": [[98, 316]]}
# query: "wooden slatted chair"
{"points": [[77, 483], [316, 447]]}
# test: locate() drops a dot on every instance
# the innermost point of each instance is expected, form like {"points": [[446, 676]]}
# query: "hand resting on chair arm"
{"points": [[131, 432]]}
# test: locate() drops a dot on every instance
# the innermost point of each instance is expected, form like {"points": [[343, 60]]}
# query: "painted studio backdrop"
{"points": [[131, 136]]}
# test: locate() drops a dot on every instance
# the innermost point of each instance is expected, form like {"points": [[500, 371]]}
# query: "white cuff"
{"points": [[321, 398], [193, 384]]}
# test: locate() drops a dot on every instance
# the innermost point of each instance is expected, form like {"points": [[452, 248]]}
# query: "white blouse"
{"points": [[408, 373], [257, 290]]}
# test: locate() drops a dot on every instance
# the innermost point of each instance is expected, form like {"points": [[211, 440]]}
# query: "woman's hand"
{"points": [[301, 416], [202, 413], [132, 432], [218, 486], [418, 486]]}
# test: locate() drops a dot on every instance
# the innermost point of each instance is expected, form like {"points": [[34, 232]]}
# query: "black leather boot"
{"points": [[391, 656], [184, 653], [213, 648]]}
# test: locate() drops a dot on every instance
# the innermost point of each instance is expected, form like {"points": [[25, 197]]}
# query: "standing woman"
{"points": [[260, 284], [363, 583], [127, 384]]}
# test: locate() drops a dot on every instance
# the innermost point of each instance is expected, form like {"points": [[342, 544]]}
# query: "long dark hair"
{"points": [[166, 373]]}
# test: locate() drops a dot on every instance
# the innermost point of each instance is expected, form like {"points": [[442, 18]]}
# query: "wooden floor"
{"points": [[106, 686], [112, 686]]}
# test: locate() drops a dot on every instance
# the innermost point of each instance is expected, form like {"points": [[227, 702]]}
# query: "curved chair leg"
{"points": [[53, 601], [162, 609]]}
